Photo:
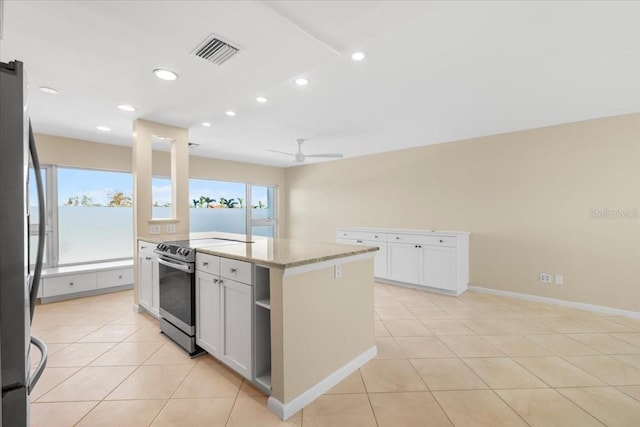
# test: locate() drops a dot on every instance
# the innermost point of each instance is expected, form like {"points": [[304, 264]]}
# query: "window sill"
{"points": [[86, 268]]}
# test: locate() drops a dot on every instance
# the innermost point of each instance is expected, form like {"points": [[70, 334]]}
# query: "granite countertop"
{"points": [[270, 252]]}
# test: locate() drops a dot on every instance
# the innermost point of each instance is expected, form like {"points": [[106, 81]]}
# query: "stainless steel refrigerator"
{"points": [[19, 278]]}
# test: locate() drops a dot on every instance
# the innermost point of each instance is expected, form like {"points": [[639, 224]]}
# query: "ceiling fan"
{"points": [[299, 156]]}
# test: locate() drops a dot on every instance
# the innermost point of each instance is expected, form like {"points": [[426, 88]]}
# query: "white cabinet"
{"points": [[437, 260], [148, 278], [224, 309], [379, 240], [208, 316]]}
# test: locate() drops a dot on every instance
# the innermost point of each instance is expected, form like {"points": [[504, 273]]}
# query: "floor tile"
{"points": [[170, 354], [209, 380], [528, 326], [380, 329], [447, 327], [249, 390], [447, 374], [477, 408], [111, 333], [487, 326], [602, 324], [353, 384], [123, 413], [388, 348], [150, 332], [78, 354], [516, 345], [547, 408], [629, 359], [392, 313], [561, 344], [630, 322], [631, 390], [407, 328], [50, 378], [391, 376], [557, 372], [608, 369], [90, 383], [503, 373], [127, 353], [210, 412], [632, 338], [423, 347], [151, 382], [565, 325], [253, 412], [608, 405], [407, 410], [605, 343], [471, 346], [343, 410], [422, 313], [420, 300], [389, 301], [401, 291], [59, 414], [63, 333]]}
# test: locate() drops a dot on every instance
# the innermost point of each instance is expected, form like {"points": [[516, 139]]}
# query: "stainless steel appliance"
{"points": [[178, 289], [18, 287]]}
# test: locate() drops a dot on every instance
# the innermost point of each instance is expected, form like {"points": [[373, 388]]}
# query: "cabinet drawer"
{"points": [[122, 276], [239, 271], [362, 235], [68, 284], [146, 248], [208, 263], [423, 240]]}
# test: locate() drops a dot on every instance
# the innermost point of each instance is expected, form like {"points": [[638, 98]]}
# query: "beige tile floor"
{"points": [[474, 360]]}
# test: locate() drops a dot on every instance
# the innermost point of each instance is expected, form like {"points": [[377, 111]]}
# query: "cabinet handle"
{"points": [[205, 264], [148, 258], [70, 283], [143, 247], [418, 246], [215, 280], [359, 241], [120, 277], [221, 281], [375, 237], [397, 238], [441, 240], [233, 270]]}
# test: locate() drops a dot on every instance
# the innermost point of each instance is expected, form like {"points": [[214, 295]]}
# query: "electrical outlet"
{"points": [[338, 271], [154, 229], [171, 228], [545, 277], [559, 279]]}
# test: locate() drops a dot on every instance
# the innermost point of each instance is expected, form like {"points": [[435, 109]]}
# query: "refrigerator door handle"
{"points": [[33, 378], [37, 270]]}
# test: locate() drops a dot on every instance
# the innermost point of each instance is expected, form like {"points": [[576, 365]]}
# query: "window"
{"points": [[232, 207], [95, 216], [217, 206], [161, 197], [34, 219]]}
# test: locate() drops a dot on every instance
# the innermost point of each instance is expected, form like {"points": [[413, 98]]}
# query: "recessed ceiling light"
{"points": [[49, 90], [103, 128], [357, 56], [164, 74], [125, 107], [261, 99], [206, 124], [302, 81], [230, 113]]}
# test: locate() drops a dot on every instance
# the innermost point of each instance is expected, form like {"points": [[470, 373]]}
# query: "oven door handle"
{"points": [[187, 268]]}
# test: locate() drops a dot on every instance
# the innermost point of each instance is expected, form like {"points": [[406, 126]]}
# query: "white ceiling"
{"points": [[434, 71]]}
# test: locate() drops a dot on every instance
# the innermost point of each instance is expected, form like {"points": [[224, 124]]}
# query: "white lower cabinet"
{"points": [[237, 305], [148, 278], [224, 312], [438, 260], [208, 316]]}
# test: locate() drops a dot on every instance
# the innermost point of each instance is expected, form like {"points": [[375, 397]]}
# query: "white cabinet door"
{"points": [[380, 260], [145, 281], [236, 326], [404, 262], [208, 316], [438, 267]]}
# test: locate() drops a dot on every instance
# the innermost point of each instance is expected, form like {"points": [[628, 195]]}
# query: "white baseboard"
{"points": [[286, 410], [560, 302]]}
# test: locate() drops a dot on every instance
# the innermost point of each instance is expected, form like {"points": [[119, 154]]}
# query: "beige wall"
{"points": [[526, 197]]}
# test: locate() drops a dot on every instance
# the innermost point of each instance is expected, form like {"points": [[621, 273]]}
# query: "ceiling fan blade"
{"points": [[281, 152], [327, 155]]}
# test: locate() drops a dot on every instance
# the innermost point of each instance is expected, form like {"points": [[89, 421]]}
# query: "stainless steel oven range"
{"points": [[178, 289]]}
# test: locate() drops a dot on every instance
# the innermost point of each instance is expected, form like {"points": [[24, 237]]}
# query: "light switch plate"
{"points": [[338, 271], [559, 279], [171, 228], [154, 229]]}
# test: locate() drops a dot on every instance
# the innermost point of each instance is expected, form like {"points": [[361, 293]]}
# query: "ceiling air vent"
{"points": [[215, 50]]}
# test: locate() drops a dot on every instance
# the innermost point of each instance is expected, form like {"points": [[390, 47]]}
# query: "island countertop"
{"points": [[270, 252]]}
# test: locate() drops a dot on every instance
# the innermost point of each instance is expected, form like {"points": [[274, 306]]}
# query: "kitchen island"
{"points": [[306, 310]]}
